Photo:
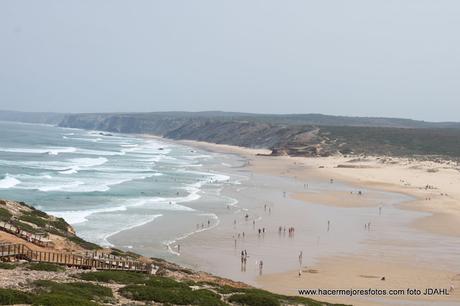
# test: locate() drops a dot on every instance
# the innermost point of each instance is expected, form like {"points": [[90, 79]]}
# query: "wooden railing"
{"points": [[21, 251], [33, 238]]}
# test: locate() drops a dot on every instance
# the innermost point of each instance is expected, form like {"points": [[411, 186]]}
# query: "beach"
{"points": [[275, 222], [356, 221]]}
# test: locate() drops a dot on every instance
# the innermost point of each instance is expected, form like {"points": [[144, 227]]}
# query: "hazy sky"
{"points": [[377, 58]]}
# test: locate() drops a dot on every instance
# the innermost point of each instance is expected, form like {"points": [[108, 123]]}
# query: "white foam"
{"points": [[46, 150], [159, 203], [83, 163], [169, 243], [64, 187], [89, 162], [106, 237], [9, 182], [80, 216]]}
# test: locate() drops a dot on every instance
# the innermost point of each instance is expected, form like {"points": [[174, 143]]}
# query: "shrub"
{"points": [[204, 297], [25, 227], [42, 266], [36, 213], [7, 266], [120, 277], [10, 297], [228, 289], [85, 244], [60, 224], [254, 299], [76, 290], [60, 299], [34, 220], [164, 282], [5, 215], [178, 296]]}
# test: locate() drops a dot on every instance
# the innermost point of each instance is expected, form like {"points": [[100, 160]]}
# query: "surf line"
{"points": [[169, 243]]}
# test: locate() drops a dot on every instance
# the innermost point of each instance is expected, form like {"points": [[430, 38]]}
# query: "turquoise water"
{"points": [[104, 183]]}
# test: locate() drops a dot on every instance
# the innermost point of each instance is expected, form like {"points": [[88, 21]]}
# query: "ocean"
{"points": [[106, 183]]}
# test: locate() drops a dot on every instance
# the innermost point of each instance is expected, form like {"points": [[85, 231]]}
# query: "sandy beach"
{"points": [[376, 218]]}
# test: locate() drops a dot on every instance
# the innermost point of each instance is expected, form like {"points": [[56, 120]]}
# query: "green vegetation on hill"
{"points": [[297, 135], [119, 277], [49, 293], [78, 293], [7, 266], [393, 141], [11, 297], [42, 266], [83, 243], [5, 215], [167, 290]]}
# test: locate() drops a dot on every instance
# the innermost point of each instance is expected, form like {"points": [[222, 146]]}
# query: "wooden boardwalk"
{"points": [[33, 238], [21, 251]]}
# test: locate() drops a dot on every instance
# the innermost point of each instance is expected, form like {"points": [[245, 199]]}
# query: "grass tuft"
{"points": [[119, 277], [11, 297], [42, 266]]}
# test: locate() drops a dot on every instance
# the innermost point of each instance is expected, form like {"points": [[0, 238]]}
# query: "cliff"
{"points": [[295, 135]]}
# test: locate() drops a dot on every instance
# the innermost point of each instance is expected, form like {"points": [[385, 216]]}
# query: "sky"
{"points": [[387, 58]]}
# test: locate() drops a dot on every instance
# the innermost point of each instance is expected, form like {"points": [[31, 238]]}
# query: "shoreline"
{"points": [[327, 167], [432, 223]]}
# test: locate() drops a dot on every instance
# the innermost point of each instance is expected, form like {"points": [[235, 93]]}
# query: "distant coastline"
{"points": [[309, 135]]}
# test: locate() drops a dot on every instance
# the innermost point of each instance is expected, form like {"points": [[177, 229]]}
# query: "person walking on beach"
{"points": [[244, 258], [261, 266], [300, 259], [328, 225]]}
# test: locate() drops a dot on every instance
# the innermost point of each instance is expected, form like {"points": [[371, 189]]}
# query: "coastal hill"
{"points": [[295, 135], [49, 273]]}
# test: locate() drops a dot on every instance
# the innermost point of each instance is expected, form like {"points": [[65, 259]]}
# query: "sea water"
{"points": [[106, 183]]}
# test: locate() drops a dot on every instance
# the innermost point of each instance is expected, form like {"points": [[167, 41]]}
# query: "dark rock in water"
{"points": [[105, 134], [161, 149]]}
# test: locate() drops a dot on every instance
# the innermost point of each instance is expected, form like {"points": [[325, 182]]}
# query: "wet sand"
{"points": [[405, 242]]}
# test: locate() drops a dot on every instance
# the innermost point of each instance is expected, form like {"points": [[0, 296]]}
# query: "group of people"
{"points": [[202, 225], [282, 230]]}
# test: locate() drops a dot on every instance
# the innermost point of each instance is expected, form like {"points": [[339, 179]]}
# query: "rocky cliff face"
{"points": [[283, 134], [222, 130]]}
